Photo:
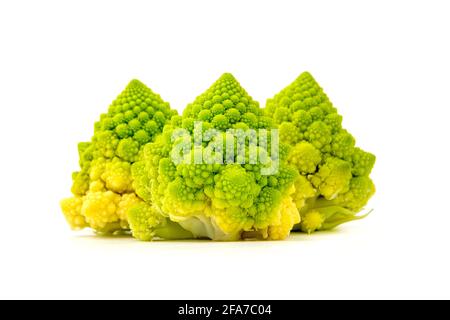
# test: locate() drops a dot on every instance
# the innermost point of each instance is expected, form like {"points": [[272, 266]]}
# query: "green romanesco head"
{"points": [[233, 191], [103, 188], [334, 183]]}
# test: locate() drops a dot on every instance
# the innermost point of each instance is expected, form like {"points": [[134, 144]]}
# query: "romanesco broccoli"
{"points": [[220, 170], [103, 189], [334, 183], [223, 197]]}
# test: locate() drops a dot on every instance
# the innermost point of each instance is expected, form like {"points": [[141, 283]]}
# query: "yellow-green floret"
{"points": [[334, 183], [223, 196], [103, 191]]}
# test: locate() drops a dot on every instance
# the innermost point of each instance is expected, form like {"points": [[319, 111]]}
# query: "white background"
{"points": [[384, 64]]}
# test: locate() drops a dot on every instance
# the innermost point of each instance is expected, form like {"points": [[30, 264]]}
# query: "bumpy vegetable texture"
{"points": [[130, 178], [334, 183], [103, 189], [219, 201]]}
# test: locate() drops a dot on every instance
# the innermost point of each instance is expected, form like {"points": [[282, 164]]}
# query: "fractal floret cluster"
{"points": [[334, 183], [226, 169], [103, 189]]}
